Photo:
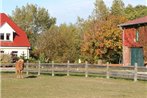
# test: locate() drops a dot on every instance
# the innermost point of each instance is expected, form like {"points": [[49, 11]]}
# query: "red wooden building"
{"points": [[135, 41]]}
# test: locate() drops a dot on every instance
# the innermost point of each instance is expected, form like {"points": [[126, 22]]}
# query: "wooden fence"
{"points": [[108, 71]]}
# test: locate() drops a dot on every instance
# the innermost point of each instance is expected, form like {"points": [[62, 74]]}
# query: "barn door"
{"points": [[137, 56]]}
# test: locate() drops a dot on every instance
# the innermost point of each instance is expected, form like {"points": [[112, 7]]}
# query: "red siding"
{"points": [[130, 37]]}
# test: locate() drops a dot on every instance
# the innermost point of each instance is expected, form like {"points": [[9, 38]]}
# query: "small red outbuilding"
{"points": [[135, 41]]}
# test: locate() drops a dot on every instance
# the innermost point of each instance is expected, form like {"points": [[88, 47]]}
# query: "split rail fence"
{"points": [[84, 69]]}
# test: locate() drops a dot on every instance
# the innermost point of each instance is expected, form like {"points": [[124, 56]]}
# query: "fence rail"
{"points": [[128, 72]]}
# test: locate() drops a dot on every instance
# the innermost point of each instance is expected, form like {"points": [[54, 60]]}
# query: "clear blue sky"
{"points": [[66, 11]]}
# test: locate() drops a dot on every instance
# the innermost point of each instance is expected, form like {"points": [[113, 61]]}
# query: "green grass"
{"points": [[45, 86]]}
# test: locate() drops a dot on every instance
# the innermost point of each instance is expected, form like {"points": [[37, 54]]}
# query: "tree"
{"points": [[100, 11], [135, 12], [117, 7], [33, 20], [102, 38], [71, 37], [110, 37], [46, 44], [59, 43]]}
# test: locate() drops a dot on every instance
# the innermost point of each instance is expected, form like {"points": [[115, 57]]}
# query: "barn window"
{"points": [[2, 36], [137, 35]]}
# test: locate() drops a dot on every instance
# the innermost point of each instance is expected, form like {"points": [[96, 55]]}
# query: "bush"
{"points": [[5, 58], [32, 60]]}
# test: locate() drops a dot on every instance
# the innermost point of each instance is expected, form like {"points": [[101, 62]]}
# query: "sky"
{"points": [[65, 11]]}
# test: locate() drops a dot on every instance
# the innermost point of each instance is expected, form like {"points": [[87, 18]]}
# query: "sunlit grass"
{"points": [[46, 86]]}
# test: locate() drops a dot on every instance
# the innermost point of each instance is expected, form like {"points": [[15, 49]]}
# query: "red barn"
{"points": [[135, 41]]}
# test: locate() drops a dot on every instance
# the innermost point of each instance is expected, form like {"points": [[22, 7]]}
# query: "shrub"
{"points": [[32, 60], [5, 58]]}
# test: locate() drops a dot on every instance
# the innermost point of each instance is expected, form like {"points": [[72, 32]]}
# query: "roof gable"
{"points": [[6, 28], [20, 37]]}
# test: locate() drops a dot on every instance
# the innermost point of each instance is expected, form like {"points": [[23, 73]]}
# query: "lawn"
{"points": [[45, 86]]}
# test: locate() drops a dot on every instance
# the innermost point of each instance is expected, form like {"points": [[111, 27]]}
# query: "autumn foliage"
{"points": [[96, 38], [104, 39]]}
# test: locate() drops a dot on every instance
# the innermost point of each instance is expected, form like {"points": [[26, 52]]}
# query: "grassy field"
{"points": [[45, 86]]}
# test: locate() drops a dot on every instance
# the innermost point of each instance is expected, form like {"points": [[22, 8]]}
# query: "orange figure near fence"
{"points": [[19, 66]]}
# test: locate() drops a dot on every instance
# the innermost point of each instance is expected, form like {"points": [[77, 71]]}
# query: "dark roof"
{"points": [[20, 40], [138, 21]]}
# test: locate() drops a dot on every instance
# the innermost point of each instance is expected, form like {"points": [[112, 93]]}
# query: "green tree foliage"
{"points": [[117, 7], [33, 20], [100, 11], [59, 44], [135, 12]]}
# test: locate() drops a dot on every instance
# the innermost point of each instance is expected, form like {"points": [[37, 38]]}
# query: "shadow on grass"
{"points": [[62, 74], [8, 72], [56, 74], [32, 76]]}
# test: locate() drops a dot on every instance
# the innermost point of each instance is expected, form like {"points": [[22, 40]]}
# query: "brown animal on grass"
{"points": [[19, 66]]}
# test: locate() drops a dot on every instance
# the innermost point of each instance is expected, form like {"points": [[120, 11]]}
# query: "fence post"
{"points": [[53, 68], [86, 69], [135, 72], [27, 68], [107, 73], [39, 68], [68, 68]]}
